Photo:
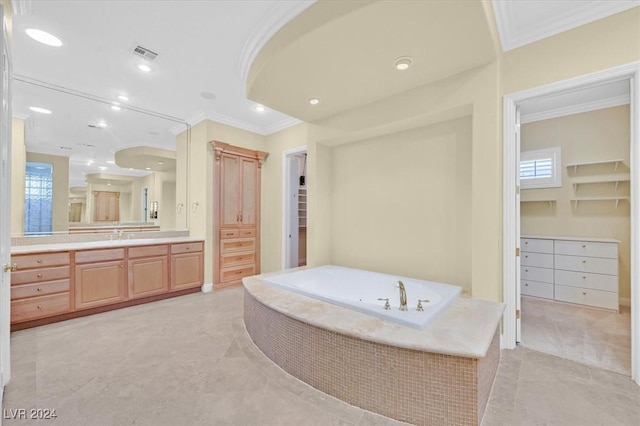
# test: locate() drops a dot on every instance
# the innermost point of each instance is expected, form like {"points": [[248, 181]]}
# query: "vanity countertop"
{"points": [[53, 247], [466, 328]]}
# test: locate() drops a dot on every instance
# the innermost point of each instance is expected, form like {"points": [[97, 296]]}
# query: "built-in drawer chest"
{"points": [[582, 271]]}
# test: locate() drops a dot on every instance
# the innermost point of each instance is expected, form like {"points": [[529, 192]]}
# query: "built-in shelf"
{"points": [[575, 201], [616, 180], [615, 163], [302, 207], [548, 201]]}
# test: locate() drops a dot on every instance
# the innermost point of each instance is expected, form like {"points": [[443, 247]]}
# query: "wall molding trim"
{"points": [[576, 109]]}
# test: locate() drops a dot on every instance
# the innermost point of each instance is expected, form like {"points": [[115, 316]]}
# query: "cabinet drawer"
{"points": [[536, 245], [238, 244], [532, 273], [187, 247], [533, 288], [27, 261], [237, 273], [229, 233], [38, 307], [39, 275], [247, 233], [587, 280], [234, 259], [541, 260], [596, 265], [587, 248], [584, 296], [148, 251], [99, 255], [39, 289]]}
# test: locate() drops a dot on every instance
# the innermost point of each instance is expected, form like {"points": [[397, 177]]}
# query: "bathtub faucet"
{"points": [[403, 296]]}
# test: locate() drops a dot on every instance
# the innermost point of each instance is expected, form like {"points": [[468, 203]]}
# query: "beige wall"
{"points": [[587, 137], [401, 203], [60, 221], [18, 170]]}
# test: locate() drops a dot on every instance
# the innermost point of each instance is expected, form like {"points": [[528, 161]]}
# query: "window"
{"points": [[541, 168], [38, 200]]}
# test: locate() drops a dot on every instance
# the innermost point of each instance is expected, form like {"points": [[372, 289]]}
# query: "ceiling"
{"points": [[205, 54]]}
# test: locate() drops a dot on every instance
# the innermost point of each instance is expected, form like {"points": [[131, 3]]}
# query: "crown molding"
{"points": [[581, 14], [576, 109], [274, 19], [280, 125], [240, 124]]}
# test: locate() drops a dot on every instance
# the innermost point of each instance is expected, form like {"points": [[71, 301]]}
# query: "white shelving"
{"points": [[575, 201], [550, 202], [615, 163], [302, 207], [616, 180]]}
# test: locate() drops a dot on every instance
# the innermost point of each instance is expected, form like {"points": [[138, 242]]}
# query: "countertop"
{"points": [[466, 328], [53, 247], [591, 239]]}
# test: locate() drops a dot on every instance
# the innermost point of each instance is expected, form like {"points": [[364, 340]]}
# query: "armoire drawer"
{"points": [[541, 260], [532, 273], [587, 280], [596, 265], [26, 261], [586, 248], [234, 259], [230, 274], [533, 288], [103, 255], [237, 244], [583, 296], [39, 307], [187, 247], [536, 245]]}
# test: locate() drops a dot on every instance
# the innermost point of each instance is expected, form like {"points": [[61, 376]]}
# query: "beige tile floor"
{"points": [[592, 336], [189, 361]]}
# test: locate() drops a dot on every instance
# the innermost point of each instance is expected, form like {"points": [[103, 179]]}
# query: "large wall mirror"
{"points": [[81, 162]]}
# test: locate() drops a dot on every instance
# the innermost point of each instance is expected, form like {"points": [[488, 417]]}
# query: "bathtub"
{"points": [[360, 290]]}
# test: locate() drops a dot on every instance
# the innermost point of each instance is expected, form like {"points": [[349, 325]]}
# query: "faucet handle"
{"points": [[419, 308], [387, 305]]}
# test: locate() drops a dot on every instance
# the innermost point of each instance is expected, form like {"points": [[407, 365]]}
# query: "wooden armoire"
{"points": [[236, 213]]}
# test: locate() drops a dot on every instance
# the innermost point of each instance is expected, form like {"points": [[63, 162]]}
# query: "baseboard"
{"points": [[207, 287], [624, 301]]}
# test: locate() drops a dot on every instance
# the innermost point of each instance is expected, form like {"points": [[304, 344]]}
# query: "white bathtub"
{"points": [[360, 290]]}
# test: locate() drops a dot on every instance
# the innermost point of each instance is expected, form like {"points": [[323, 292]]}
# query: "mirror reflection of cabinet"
{"points": [[237, 221], [106, 206]]}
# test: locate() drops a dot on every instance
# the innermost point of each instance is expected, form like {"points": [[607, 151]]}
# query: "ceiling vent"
{"points": [[145, 53]]}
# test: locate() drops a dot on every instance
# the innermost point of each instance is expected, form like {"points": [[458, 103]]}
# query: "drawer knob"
{"points": [[584, 261], [187, 247], [584, 293], [526, 284], [238, 272], [39, 275], [238, 258], [526, 270], [584, 278], [526, 242], [39, 306], [526, 256], [229, 233], [39, 261], [584, 246], [39, 290]]}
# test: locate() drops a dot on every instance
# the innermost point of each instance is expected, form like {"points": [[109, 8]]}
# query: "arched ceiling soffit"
{"points": [[343, 53]]}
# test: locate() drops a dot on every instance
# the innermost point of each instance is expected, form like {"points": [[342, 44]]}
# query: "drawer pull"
{"points": [[39, 275], [526, 242], [39, 290], [584, 246], [584, 293], [188, 247], [526, 256], [238, 272], [239, 258], [526, 270], [584, 278], [526, 284], [238, 244], [39, 261], [39, 306], [584, 261], [229, 234]]}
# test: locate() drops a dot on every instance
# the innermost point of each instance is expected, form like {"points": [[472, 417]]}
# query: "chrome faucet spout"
{"points": [[403, 297]]}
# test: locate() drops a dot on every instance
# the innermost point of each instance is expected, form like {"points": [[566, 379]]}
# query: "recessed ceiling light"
{"points": [[403, 63], [148, 168], [144, 68], [123, 98], [314, 101], [40, 110], [259, 108], [90, 162], [44, 37], [101, 124], [160, 162], [115, 107]]}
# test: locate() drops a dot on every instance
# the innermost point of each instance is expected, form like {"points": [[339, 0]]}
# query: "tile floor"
{"points": [[592, 336], [189, 361]]}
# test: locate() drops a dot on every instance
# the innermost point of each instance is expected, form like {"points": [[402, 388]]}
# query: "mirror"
{"points": [[112, 164]]}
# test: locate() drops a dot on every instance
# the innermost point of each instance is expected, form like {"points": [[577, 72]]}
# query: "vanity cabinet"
{"points": [[237, 219], [40, 286], [148, 271], [187, 270], [99, 277]]}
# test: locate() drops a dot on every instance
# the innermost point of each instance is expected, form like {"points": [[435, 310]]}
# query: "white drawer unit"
{"points": [[572, 270]]}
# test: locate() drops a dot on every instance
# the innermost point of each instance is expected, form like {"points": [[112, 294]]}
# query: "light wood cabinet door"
{"points": [[148, 276], [187, 270], [248, 176], [98, 284], [230, 190]]}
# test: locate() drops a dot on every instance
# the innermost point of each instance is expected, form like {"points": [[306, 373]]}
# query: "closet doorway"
{"points": [[512, 195], [294, 208]]}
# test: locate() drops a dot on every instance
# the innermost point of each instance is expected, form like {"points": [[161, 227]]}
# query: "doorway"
{"points": [[295, 208], [511, 194]]}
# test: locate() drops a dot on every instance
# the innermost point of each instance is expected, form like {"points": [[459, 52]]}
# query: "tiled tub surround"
{"points": [[440, 375]]}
